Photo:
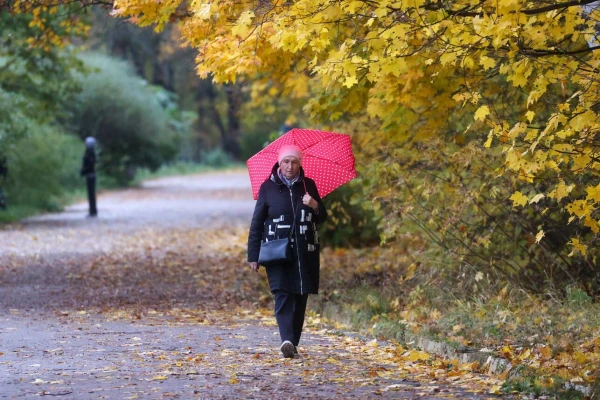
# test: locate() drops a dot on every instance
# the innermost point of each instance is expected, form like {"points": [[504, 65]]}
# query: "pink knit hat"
{"points": [[289, 150]]}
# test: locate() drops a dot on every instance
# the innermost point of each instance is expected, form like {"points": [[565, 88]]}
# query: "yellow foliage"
{"points": [[416, 355], [578, 247], [518, 199], [402, 72], [481, 113]]}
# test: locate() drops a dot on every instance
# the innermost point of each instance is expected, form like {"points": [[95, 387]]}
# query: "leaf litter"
{"points": [[132, 310], [185, 281]]}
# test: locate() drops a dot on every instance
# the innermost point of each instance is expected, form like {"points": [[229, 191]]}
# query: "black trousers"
{"points": [[289, 313], [91, 192]]}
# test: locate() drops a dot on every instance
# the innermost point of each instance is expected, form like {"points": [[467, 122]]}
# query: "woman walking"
{"points": [[289, 200]]}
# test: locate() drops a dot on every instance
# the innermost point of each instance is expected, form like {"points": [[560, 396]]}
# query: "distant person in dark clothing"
{"points": [[3, 167], [287, 126], [88, 170], [3, 173]]}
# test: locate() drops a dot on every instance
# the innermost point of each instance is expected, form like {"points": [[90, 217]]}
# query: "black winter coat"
{"points": [[273, 214], [88, 166], [3, 167]]}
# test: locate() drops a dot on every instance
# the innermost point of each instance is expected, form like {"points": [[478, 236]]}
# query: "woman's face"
{"points": [[290, 166]]}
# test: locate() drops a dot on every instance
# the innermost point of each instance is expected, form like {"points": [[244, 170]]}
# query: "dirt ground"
{"points": [[153, 299]]}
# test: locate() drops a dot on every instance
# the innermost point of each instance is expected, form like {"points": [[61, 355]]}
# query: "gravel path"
{"points": [[152, 299]]}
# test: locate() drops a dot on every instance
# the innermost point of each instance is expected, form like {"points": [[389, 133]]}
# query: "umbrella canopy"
{"points": [[327, 159]]}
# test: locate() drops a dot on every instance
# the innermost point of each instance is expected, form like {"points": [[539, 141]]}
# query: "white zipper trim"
{"points": [[296, 243]]}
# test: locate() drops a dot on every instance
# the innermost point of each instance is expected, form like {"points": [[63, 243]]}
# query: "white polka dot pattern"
{"points": [[327, 159]]}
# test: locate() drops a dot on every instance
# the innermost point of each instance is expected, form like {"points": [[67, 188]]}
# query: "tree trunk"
{"points": [[209, 91], [230, 141]]}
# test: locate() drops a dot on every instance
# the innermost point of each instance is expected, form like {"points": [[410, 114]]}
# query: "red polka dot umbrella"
{"points": [[327, 159]]}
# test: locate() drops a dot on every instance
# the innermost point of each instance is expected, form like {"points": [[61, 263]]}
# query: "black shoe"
{"points": [[287, 349]]}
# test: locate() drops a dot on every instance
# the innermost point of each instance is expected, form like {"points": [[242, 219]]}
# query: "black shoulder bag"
{"points": [[278, 251]]}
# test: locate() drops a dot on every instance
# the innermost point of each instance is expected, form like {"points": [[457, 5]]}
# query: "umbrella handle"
{"points": [[305, 191]]}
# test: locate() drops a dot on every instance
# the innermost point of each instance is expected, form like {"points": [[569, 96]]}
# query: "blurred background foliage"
{"points": [[136, 124], [352, 221], [134, 90], [42, 166]]}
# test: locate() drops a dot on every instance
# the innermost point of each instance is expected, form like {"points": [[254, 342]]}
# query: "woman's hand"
{"points": [[254, 266], [309, 201]]}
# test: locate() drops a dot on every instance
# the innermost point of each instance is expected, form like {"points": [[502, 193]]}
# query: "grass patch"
{"points": [[530, 382], [363, 309], [16, 213], [551, 340], [182, 168], [517, 319]]}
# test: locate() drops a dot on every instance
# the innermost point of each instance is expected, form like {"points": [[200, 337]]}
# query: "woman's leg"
{"points": [[91, 189], [299, 311], [284, 314]]}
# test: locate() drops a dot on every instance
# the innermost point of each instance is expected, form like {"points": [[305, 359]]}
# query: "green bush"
{"points": [[352, 222], [42, 168], [136, 124], [13, 119], [253, 142], [215, 158], [35, 82]]}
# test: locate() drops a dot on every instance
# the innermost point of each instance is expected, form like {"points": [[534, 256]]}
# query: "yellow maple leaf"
{"points": [[489, 140], [410, 272], [497, 389], [518, 80], [577, 247], [562, 190], [241, 28], [580, 357], [487, 62], [592, 224], [545, 352], [519, 199], [580, 208], [448, 58], [593, 193], [582, 162], [417, 356], [246, 17], [530, 115], [350, 81], [526, 354], [539, 236], [481, 113]]}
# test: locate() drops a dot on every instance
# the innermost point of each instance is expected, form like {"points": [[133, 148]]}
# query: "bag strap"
{"points": [[294, 217], [291, 228]]}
